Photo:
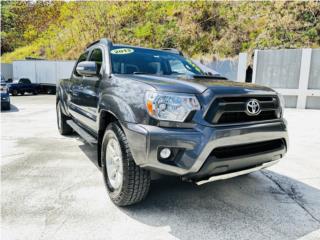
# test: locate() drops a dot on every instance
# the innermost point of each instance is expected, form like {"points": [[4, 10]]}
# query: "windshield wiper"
{"points": [[216, 76]]}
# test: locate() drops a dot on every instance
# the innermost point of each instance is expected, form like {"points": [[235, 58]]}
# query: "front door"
{"points": [[90, 90], [74, 92]]}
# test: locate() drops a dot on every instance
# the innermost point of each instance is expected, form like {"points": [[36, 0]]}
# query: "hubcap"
{"points": [[114, 163]]}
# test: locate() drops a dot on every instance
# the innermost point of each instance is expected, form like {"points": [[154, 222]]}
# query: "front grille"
{"points": [[232, 109], [245, 98], [239, 117], [247, 149]]}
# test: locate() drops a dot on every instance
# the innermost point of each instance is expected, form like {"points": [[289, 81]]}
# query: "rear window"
{"points": [[24, 81]]}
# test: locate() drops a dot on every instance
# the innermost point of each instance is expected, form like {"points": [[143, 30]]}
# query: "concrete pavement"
{"points": [[52, 189]]}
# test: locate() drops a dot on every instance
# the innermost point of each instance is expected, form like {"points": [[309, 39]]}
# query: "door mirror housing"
{"points": [[87, 68]]}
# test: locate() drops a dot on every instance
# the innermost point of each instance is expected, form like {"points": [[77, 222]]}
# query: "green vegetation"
{"points": [[60, 30]]}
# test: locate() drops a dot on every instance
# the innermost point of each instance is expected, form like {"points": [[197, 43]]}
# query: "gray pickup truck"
{"points": [[151, 111]]}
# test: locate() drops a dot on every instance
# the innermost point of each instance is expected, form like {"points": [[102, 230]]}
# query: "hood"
{"points": [[196, 84]]}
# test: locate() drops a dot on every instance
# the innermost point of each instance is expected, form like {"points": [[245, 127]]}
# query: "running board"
{"points": [[84, 134], [239, 173]]}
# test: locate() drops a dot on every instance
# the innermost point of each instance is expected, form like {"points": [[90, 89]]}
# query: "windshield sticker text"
{"points": [[122, 51]]}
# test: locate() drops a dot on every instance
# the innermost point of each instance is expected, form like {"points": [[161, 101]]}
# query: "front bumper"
{"points": [[195, 145], [237, 173], [5, 98]]}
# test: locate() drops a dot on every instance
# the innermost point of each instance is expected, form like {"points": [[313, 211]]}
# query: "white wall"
{"points": [[242, 67], [6, 70], [295, 73], [232, 69], [227, 68], [24, 69]]}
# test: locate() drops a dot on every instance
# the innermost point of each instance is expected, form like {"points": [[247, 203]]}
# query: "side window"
{"points": [[96, 56], [177, 66], [82, 58], [24, 81]]}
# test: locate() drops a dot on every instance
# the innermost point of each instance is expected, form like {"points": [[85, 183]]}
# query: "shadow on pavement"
{"points": [[13, 108], [251, 206], [261, 205], [90, 152]]}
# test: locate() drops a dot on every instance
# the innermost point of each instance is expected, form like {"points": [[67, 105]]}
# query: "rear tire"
{"points": [[14, 93], [63, 127], [135, 181], [51, 91]]}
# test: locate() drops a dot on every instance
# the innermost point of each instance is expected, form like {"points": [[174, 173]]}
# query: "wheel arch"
{"points": [[105, 118], [59, 97]]}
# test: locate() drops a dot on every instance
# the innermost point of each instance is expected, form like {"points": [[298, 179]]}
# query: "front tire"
{"points": [[5, 106], [63, 127], [126, 182]]}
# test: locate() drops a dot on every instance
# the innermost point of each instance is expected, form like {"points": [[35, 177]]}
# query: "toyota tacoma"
{"points": [[152, 111]]}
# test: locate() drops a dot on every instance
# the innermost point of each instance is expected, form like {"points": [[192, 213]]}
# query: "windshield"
{"points": [[131, 60]]}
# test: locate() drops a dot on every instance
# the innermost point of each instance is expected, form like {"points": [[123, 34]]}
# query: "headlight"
{"points": [[170, 106], [3, 89]]}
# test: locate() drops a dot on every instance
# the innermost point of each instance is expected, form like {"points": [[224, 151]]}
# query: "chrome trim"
{"points": [[217, 125], [255, 106], [239, 173], [272, 94], [249, 95]]}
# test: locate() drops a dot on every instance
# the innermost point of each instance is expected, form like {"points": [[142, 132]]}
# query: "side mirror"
{"points": [[87, 68]]}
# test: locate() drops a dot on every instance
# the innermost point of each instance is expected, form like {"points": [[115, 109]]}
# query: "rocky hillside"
{"points": [[59, 30]]}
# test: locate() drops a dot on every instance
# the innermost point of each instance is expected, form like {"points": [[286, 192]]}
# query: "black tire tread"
{"points": [[65, 128], [136, 180]]}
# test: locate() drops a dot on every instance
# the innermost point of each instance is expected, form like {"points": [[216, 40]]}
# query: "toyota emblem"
{"points": [[253, 107]]}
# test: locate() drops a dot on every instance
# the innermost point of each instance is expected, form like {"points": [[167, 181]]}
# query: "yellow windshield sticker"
{"points": [[193, 65], [122, 51]]}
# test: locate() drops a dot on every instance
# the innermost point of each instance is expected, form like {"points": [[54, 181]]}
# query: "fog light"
{"points": [[165, 153]]}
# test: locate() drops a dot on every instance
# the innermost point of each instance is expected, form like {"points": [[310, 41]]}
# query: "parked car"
{"points": [[5, 97], [23, 86], [154, 111]]}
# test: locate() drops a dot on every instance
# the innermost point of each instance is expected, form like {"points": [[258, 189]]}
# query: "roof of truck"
{"points": [[172, 50]]}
